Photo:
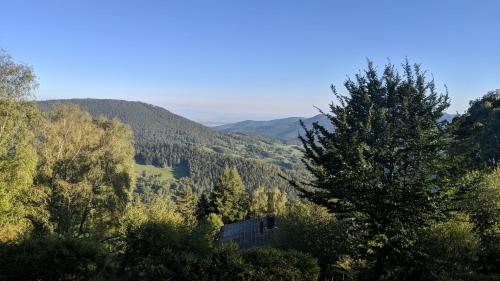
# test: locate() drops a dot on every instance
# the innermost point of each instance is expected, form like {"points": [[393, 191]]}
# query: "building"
{"points": [[250, 233]]}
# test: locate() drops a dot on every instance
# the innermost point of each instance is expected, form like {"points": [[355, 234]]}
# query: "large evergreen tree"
{"points": [[379, 169], [186, 202], [229, 198]]}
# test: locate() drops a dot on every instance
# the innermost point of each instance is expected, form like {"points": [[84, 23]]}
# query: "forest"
{"points": [[393, 192]]}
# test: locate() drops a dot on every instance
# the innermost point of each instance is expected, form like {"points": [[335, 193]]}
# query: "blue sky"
{"points": [[232, 60]]}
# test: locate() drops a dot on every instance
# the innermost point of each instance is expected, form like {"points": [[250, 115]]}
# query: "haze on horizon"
{"points": [[235, 60]]}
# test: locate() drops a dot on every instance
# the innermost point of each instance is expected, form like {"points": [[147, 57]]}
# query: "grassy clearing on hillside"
{"points": [[169, 174]]}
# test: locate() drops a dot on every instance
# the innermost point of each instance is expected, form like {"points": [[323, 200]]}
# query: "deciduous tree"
{"points": [[18, 118], [87, 167]]}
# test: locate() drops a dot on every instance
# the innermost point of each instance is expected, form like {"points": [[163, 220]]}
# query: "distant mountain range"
{"points": [[285, 129]]}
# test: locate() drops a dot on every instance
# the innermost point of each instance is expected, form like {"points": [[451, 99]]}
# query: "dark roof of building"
{"points": [[250, 233]]}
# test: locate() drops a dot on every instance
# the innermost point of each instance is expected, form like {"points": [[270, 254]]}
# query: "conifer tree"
{"points": [[186, 204], [379, 169], [202, 207], [229, 198]]}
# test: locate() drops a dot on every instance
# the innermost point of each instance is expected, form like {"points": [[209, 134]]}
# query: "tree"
{"points": [[18, 118], [87, 167], [148, 186], [478, 196], [259, 202], [477, 132], [271, 264], [202, 207], [453, 245], [380, 167], [276, 203], [53, 258], [158, 209], [186, 203], [229, 198], [312, 229]]}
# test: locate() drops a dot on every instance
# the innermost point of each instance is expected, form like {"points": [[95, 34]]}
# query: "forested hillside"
{"points": [[164, 139]]}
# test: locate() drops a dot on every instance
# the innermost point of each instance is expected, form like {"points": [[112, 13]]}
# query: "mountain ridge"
{"points": [[286, 129]]}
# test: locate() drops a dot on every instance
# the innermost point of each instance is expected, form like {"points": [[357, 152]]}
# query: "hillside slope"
{"points": [[286, 129], [166, 139]]}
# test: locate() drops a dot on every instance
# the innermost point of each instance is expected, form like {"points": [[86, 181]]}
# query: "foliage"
{"points": [[212, 226], [380, 167], [259, 201], [479, 196], [186, 202], [477, 132], [452, 245], [18, 117], [52, 258], [229, 198], [276, 203], [159, 209], [165, 252], [265, 202], [86, 166], [148, 186], [309, 228], [162, 251], [273, 264]]}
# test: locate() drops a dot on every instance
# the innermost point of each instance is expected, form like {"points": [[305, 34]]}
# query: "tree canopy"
{"points": [[18, 159], [477, 132], [380, 168], [86, 168]]}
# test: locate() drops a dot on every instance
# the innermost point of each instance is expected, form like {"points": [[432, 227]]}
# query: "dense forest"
{"points": [[395, 192]]}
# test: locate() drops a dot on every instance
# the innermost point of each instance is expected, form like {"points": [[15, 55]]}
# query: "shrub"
{"points": [[52, 258]]}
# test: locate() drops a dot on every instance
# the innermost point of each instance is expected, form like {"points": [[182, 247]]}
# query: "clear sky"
{"points": [[231, 60]]}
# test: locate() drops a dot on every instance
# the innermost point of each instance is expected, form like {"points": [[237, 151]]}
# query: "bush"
{"points": [[157, 251], [52, 258], [453, 246], [274, 264], [160, 251]]}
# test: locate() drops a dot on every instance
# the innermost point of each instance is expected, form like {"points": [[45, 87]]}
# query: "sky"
{"points": [[225, 61]]}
